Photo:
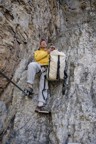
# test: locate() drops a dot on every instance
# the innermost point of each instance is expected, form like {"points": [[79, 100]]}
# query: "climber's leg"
{"points": [[43, 93], [33, 68], [43, 88]]}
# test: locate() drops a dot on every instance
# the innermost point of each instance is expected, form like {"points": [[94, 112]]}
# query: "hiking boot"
{"points": [[28, 92], [42, 109]]}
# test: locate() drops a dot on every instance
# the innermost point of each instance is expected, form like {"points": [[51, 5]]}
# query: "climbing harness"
{"points": [[1, 73]]}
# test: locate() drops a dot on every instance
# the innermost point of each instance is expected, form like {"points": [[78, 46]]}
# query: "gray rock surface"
{"points": [[3, 114], [71, 26]]}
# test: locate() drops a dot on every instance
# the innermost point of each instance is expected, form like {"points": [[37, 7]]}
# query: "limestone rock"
{"points": [[71, 27], [3, 114]]}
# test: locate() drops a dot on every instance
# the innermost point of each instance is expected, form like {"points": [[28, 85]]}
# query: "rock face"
{"points": [[71, 26]]}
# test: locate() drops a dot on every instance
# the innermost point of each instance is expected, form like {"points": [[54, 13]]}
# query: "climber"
{"points": [[40, 65]]}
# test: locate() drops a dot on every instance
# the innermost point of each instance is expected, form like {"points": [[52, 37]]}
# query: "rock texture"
{"points": [[71, 26]]}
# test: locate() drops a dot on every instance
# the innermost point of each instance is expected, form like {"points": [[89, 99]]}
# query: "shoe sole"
{"points": [[44, 112]]}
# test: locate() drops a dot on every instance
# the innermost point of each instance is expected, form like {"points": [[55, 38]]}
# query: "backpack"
{"points": [[56, 66]]}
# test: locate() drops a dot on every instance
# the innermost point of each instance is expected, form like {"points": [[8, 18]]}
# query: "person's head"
{"points": [[52, 47], [43, 43]]}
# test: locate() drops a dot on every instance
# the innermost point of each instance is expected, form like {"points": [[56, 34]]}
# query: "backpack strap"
{"points": [[49, 67]]}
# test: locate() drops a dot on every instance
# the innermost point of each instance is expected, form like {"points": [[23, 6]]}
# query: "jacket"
{"points": [[41, 56]]}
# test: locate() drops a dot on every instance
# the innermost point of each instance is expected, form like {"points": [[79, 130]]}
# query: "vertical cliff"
{"points": [[71, 26]]}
